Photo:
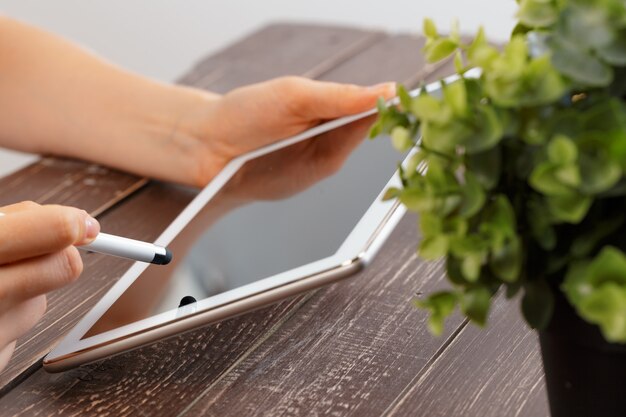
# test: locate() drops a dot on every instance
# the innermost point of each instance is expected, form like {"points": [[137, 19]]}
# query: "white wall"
{"points": [[162, 38]]}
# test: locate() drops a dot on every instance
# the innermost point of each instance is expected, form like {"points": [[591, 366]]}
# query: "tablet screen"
{"points": [[279, 211]]}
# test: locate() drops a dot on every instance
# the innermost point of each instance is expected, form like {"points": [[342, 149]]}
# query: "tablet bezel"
{"points": [[356, 252]]}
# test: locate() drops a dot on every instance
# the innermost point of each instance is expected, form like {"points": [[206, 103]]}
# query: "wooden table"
{"points": [[357, 348]]}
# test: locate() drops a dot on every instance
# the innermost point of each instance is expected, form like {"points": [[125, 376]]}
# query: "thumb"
{"points": [[325, 100]]}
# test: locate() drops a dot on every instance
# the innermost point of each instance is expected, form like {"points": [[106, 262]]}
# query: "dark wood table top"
{"points": [[358, 347]]}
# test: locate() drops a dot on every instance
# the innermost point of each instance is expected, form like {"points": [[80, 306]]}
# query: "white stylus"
{"points": [[129, 248]]}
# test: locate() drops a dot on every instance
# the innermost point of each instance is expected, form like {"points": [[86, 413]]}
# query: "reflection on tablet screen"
{"points": [[279, 211]]}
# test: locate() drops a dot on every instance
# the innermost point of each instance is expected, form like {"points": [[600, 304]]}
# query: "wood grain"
{"points": [[73, 183], [270, 52], [488, 372], [98, 277]]}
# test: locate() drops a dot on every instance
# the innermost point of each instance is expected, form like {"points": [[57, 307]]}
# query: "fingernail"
{"points": [[92, 228], [387, 89]]}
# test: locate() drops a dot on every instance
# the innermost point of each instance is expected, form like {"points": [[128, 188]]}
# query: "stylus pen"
{"points": [[129, 248]]}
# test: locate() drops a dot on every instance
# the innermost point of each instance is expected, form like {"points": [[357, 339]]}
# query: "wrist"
{"points": [[158, 131], [186, 141]]}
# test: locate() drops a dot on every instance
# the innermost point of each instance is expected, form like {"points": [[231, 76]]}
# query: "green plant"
{"points": [[519, 174]]}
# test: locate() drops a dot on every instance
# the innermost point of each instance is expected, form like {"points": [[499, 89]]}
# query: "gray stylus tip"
{"points": [[162, 259]]}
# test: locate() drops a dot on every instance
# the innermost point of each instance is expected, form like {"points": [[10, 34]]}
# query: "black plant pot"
{"points": [[585, 374]]}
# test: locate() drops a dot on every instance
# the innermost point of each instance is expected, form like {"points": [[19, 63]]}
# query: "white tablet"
{"points": [[276, 222]]}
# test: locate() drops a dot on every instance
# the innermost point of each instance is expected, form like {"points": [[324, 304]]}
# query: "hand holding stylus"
{"points": [[37, 255]]}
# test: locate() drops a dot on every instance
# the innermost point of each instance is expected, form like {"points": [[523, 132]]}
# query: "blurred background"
{"points": [[163, 38]]}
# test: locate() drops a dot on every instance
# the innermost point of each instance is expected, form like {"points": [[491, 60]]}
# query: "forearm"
{"points": [[56, 98]]}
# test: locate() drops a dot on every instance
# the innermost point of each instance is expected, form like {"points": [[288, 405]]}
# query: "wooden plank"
{"points": [[90, 287], [194, 370], [254, 58], [488, 372], [73, 183]]}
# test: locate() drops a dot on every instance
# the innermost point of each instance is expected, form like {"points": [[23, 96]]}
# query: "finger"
{"points": [[5, 354], [324, 100], [333, 148], [34, 276], [42, 230], [21, 318], [22, 206]]}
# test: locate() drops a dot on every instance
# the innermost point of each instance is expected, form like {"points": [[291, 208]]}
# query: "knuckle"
{"points": [[292, 87], [289, 82], [292, 93], [66, 227], [71, 264], [27, 205], [343, 91]]}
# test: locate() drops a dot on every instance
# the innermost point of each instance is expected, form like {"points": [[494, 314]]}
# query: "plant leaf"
{"points": [[562, 150], [472, 264], [614, 52], [455, 95], [429, 108], [401, 139], [434, 247], [429, 29], [459, 66], [537, 304], [391, 193], [439, 49], [506, 262], [598, 174], [606, 307], [416, 199], [608, 266], [486, 166], [545, 180], [430, 224], [441, 305], [473, 196], [541, 229], [487, 133], [405, 98], [570, 209], [537, 13], [579, 65], [475, 303]]}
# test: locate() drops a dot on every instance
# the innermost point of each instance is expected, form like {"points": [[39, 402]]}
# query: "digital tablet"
{"points": [[275, 222]]}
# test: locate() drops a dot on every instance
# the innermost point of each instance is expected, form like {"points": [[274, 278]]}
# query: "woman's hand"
{"points": [[37, 255], [253, 116], [293, 169]]}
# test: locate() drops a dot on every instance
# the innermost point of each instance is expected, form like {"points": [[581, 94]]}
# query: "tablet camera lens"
{"points": [[186, 300]]}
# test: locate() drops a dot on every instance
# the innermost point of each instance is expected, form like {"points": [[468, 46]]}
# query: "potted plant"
{"points": [[519, 182]]}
